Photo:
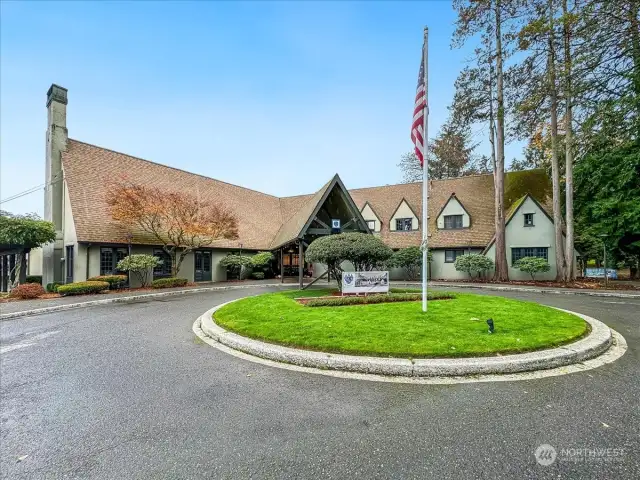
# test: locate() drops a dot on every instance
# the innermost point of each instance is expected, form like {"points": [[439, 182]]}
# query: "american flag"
{"points": [[419, 111]]}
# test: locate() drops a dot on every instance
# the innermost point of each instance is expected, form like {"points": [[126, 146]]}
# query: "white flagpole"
{"points": [[425, 175]]}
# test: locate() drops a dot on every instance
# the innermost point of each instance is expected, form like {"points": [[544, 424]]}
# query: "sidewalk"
{"points": [[27, 305], [13, 309], [528, 288]]}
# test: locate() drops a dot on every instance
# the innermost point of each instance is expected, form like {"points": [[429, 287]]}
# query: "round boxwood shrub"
{"points": [[532, 265], [53, 287], [169, 282], [114, 281], [257, 275], [473, 263], [34, 279], [27, 290], [82, 288]]}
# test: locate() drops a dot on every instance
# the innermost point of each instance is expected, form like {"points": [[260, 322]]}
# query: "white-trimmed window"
{"points": [[451, 255], [404, 224], [371, 224], [528, 219], [452, 222]]}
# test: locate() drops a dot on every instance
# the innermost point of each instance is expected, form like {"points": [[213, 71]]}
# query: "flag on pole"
{"points": [[419, 137], [419, 111]]}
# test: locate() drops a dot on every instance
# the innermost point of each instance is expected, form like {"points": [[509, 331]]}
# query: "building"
{"points": [[461, 214]]}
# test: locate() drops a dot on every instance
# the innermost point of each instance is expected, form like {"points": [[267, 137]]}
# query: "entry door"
{"points": [[203, 266], [69, 264]]}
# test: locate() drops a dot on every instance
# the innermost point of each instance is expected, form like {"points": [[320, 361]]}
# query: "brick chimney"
{"points": [[54, 188]]}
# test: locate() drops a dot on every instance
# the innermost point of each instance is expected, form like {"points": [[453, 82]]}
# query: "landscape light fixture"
{"points": [[490, 323]]}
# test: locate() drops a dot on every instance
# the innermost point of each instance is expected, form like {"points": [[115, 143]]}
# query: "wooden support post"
{"points": [[281, 265], [301, 264]]}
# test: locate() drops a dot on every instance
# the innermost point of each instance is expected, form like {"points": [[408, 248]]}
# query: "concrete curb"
{"points": [[596, 343], [134, 298], [504, 288]]}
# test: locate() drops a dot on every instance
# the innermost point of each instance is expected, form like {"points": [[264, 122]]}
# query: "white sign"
{"points": [[365, 282], [335, 223]]}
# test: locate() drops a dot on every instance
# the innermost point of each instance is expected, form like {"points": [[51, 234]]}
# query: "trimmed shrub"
{"points": [[258, 275], [82, 288], [169, 282], [262, 259], [532, 265], [140, 265], [365, 252], [235, 264], [473, 263], [410, 259], [380, 298], [114, 281], [53, 287], [27, 290], [34, 279]]}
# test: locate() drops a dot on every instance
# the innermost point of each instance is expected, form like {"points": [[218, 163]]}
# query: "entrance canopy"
{"points": [[314, 219], [317, 218]]}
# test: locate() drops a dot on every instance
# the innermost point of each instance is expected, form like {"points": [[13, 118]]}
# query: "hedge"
{"points": [[378, 298], [53, 287], [82, 288], [34, 279], [169, 282], [114, 281], [258, 275], [27, 291]]}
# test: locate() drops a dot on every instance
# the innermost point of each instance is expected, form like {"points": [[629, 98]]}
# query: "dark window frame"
{"points": [[164, 270], [521, 252], [453, 223], [109, 267], [401, 223], [528, 216], [456, 253], [69, 251]]}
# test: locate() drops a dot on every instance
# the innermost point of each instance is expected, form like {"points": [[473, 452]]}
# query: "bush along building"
{"points": [[90, 242]]}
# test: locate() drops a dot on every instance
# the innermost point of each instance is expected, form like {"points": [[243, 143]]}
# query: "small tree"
{"points": [[140, 265], [473, 263], [366, 252], [22, 233], [235, 263], [532, 265], [410, 259], [261, 263], [178, 221]]}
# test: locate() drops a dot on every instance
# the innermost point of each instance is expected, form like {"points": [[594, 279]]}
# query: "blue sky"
{"points": [[277, 97]]}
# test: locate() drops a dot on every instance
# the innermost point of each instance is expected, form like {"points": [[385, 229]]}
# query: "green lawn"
{"points": [[401, 329]]}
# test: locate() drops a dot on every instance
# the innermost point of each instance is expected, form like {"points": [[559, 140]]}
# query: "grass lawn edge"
{"points": [[580, 330]]}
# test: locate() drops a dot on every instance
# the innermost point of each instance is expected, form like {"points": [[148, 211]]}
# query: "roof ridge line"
{"points": [[171, 167]]}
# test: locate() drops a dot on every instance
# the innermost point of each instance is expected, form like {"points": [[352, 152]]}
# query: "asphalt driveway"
{"points": [[127, 391]]}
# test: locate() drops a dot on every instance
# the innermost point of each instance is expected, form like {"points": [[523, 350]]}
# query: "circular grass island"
{"points": [[454, 326]]}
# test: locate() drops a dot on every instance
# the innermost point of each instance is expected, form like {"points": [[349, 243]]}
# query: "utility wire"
{"points": [[29, 191]]}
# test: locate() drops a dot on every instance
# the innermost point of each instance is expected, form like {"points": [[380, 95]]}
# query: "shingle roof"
{"points": [[265, 221], [89, 171]]}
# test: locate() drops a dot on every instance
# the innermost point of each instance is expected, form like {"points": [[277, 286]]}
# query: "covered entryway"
{"points": [[202, 265], [331, 210]]}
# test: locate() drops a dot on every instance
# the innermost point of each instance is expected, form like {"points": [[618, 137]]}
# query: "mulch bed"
{"points": [[582, 283]]}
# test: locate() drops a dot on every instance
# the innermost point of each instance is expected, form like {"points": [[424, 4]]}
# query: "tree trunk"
{"points": [[502, 270], [570, 273], [555, 167]]}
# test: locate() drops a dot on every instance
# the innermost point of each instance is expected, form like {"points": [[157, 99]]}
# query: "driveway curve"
{"points": [[128, 391]]}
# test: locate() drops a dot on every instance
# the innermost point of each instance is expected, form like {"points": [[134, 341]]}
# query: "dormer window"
{"points": [[528, 219], [404, 224], [452, 222], [372, 225]]}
